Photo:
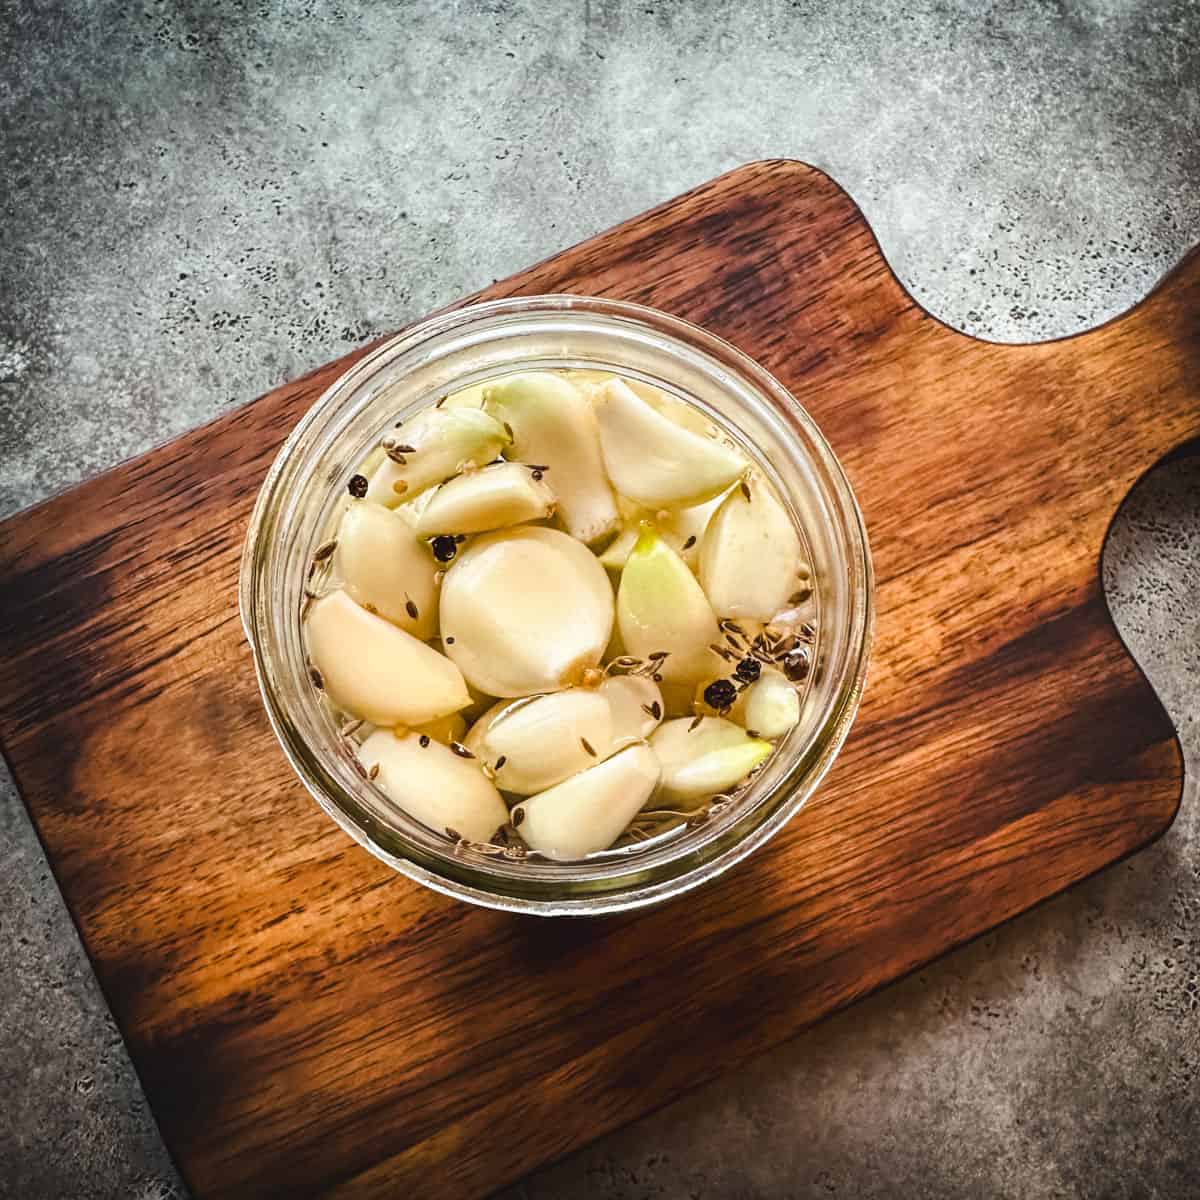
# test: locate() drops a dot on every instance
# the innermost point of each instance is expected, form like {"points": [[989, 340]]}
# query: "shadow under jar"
{"points": [[456, 350]]}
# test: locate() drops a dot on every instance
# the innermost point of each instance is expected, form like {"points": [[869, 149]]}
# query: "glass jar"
{"points": [[462, 347]]}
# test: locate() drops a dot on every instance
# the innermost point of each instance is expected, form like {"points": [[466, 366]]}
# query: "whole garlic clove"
{"points": [[534, 744], [492, 498], [636, 704], [750, 554], [700, 759], [661, 607], [589, 811], [443, 441], [525, 611], [553, 426], [434, 785], [376, 671], [654, 461], [770, 707], [384, 566]]}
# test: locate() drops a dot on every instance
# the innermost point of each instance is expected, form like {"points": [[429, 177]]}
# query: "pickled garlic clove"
{"points": [[704, 757], [376, 671], [654, 461], [636, 704], [661, 607], [750, 554], [589, 811], [431, 783], [384, 566], [434, 444], [496, 496], [553, 426], [534, 744], [770, 707], [525, 611]]}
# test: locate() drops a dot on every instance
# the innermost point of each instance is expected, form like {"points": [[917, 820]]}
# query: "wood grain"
{"points": [[306, 1022]]}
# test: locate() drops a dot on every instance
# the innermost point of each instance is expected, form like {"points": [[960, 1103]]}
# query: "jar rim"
{"points": [[632, 884]]}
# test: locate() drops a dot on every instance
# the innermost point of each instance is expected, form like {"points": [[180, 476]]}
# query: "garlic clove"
{"points": [[496, 496], [702, 758], [770, 706], [654, 461], [384, 566], [750, 554], [434, 785], [376, 671], [553, 426], [443, 441], [633, 700], [525, 610], [661, 607], [589, 811], [534, 744]]}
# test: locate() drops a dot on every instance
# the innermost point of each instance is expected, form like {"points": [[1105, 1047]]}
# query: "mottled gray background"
{"points": [[201, 200]]}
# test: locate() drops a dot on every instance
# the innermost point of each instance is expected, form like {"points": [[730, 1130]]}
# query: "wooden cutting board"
{"points": [[306, 1022]]}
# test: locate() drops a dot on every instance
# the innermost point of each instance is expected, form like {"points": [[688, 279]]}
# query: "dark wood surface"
{"points": [[307, 1022]]}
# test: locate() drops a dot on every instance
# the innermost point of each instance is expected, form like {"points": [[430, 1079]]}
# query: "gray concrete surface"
{"points": [[200, 200]]}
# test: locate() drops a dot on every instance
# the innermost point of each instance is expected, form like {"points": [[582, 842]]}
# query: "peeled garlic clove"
{"points": [[534, 744], [553, 426], [636, 704], [376, 671], [769, 707], [589, 811], [443, 441], [447, 729], [525, 610], [750, 554], [652, 460], [384, 566], [434, 785], [500, 495], [661, 607], [701, 759]]}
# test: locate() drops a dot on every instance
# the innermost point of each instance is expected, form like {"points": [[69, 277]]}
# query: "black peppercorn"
{"points": [[795, 664], [358, 486], [720, 694], [748, 670], [444, 547]]}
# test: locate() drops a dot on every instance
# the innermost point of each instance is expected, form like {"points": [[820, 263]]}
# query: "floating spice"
{"points": [[720, 694]]}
